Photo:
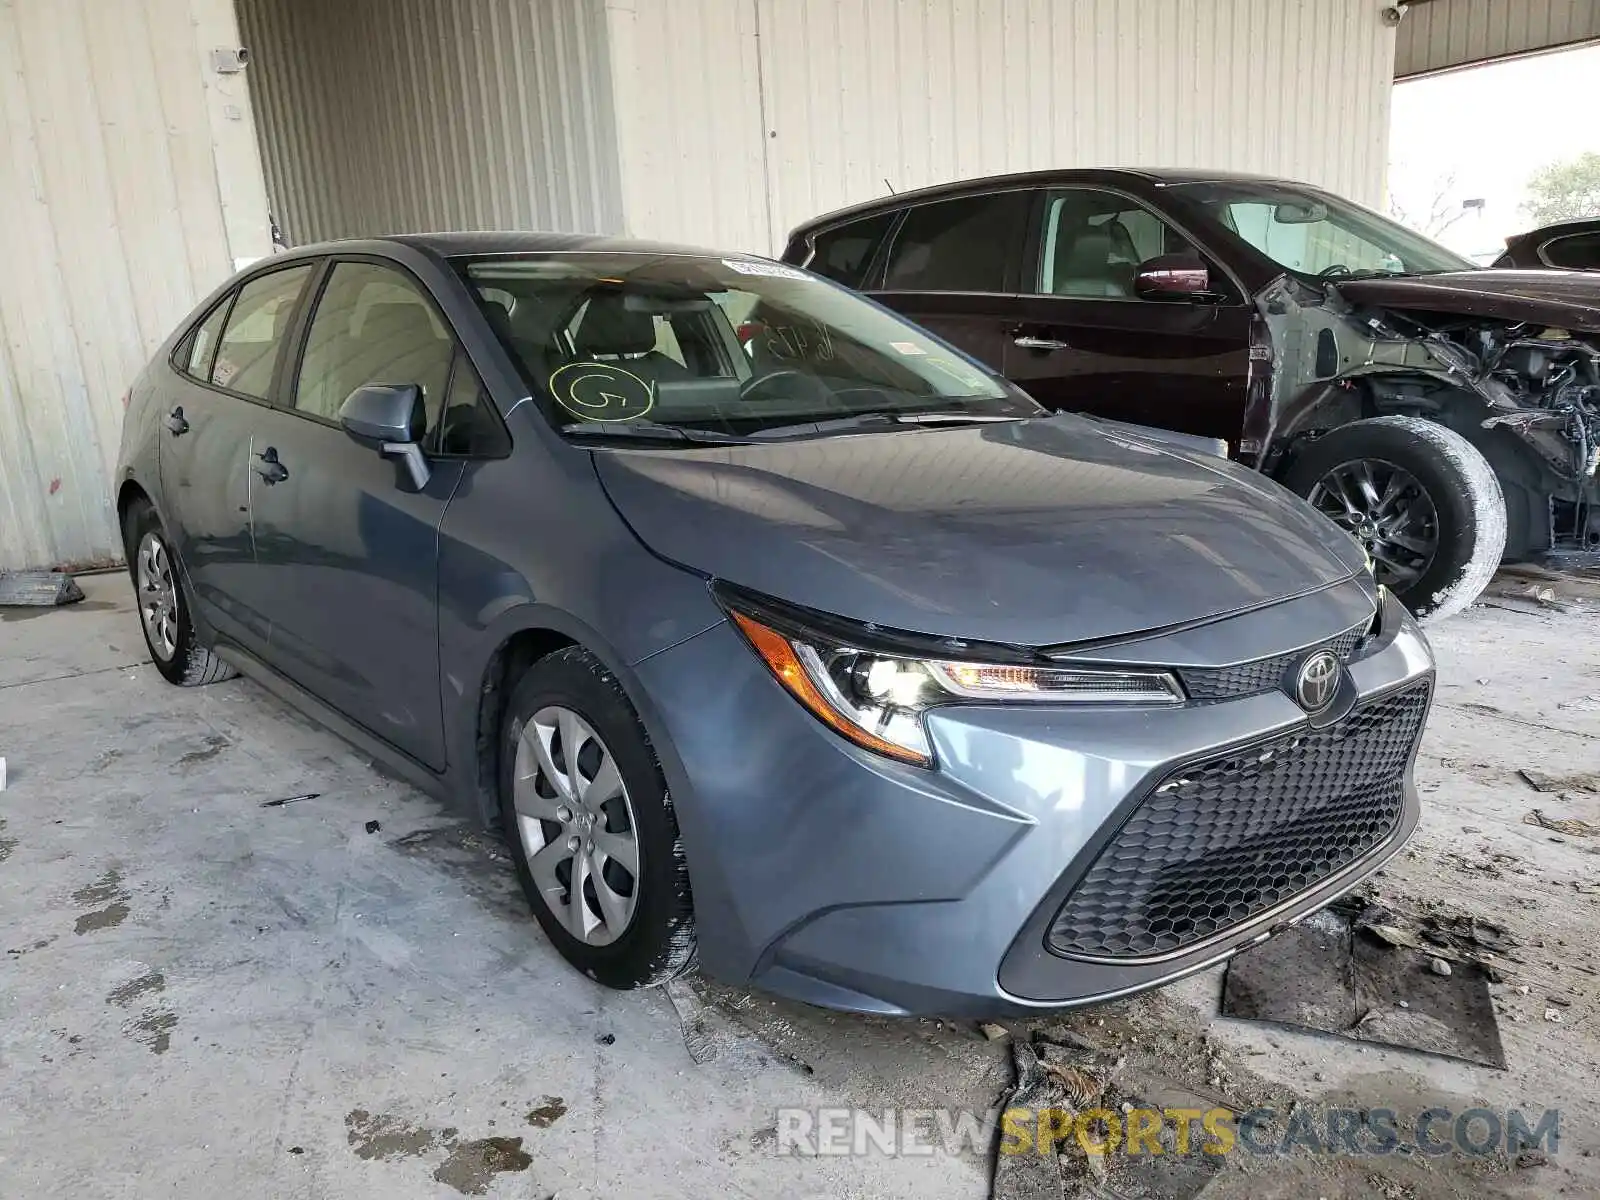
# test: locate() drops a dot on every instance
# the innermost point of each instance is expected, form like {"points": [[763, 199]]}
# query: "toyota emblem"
{"points": [[1317, 682]]}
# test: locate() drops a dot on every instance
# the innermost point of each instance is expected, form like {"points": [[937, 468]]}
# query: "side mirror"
{"points": [[1174, 277], [389, 415]]}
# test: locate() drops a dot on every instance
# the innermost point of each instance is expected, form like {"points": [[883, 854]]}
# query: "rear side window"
{"points": [[961, 245], [373, 325], [202, 344], [248, 350], [845, 253], [1579, 252]]}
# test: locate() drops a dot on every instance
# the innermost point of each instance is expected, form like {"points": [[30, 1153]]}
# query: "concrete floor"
{"points": [[202, 994]]}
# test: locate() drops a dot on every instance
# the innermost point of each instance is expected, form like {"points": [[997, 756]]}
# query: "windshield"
{"points": [[727, 345], [1314, 233]]}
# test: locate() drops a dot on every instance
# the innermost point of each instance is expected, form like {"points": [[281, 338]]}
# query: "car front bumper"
{"points": [[831, 875]]}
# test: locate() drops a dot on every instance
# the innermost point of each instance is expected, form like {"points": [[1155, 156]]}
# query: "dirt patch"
{"points": [[469, 1167], [108, 917], [125, 995], [547, 1112], [7, 845], [381, 1136], [472, 1166], [107, 887], [214, 745], [153, 1030]]}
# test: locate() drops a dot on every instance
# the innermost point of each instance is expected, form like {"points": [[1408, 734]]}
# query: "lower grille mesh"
{"points": [[1221, 841]]}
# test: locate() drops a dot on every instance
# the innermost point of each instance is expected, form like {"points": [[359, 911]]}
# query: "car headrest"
{"points": [[397, 320], [608, 327]]}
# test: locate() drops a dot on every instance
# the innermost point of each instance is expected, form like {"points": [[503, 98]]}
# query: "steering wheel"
{"points": [[1334, 271], [756, 384]]}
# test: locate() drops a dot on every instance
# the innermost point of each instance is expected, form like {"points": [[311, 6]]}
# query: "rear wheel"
{"points": [[591, 827], [163, 608], [1421, 499]]}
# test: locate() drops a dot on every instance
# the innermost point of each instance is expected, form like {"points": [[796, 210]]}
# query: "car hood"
{"points": [[1568, 299], [1034, 532]]}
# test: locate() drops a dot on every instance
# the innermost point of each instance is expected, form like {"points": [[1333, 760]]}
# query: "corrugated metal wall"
{"points": [[388, 116], [1443, 34], [860, 95], [129, 185]]}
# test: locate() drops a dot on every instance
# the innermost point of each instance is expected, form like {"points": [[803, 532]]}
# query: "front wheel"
{"points": [[1421, 499], [591, 828]]}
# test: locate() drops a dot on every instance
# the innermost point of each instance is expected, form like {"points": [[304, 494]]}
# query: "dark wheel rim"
{"points": [[158, 596], [576, 823], [1385, 509]]}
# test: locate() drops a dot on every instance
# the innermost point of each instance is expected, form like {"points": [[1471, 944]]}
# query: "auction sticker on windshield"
{"points": [[772, 270]]}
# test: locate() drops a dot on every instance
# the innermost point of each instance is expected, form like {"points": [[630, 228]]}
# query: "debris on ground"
{"points": [[992, 1031], [38, 589], [290, 800], [1569, 825], [1541, 781], [694, 1019], [373, 827], [1362, 972]]}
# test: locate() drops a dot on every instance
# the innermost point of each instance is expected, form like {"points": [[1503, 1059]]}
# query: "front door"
{"points": [[346, 547], [1084, 341], [952, 268], [225, 374]]}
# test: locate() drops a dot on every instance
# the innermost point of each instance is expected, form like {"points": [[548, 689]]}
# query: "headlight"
{"points": [[877, 699]]}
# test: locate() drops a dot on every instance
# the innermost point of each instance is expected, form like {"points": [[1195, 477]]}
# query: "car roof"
{"points": [[464, 244], [1157, 176]]}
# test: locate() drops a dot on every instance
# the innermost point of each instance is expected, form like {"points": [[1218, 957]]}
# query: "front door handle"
{"points": [[177, 423], [269, 468], [1028, 342]]}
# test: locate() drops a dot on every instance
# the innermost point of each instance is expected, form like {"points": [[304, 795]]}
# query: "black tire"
{"points": [[659, 941], [190, 664], [1466, 497]]}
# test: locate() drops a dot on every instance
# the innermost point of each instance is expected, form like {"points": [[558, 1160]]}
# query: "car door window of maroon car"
{"points": [[1095, 242]]}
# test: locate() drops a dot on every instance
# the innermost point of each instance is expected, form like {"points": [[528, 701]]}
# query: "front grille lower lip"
{"points": [[1411, 700], [1204, 684]]}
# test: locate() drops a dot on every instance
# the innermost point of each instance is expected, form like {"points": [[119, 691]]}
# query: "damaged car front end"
{"points": [[1366, 335]]}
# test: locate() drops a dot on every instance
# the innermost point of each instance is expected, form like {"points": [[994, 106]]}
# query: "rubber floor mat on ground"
{"points": [[1330, 974]]}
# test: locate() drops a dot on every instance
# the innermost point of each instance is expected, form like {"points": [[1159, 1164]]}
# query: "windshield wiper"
{"points": [[868, 419], [644, 431]]}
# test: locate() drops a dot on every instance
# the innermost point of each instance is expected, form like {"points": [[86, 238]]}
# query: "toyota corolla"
{"points": [[766, 627]]}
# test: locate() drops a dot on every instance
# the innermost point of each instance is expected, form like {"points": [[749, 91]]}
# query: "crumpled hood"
{"points": [[1036, 532], [1567, 299]]}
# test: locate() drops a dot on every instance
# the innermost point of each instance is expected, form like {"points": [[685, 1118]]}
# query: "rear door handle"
{"points": [[1028, 342], [177, 423], [269, 468]]}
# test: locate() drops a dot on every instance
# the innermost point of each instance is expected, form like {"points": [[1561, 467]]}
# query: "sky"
{"points": [[1480, 133]]}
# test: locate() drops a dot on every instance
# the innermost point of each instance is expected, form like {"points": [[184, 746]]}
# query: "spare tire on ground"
{"points": [[1422, 500]]}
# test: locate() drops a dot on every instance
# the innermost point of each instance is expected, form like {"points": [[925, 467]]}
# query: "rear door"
{"points": [[223, 373], [952, 265], [346, 546], [1084, 341]]}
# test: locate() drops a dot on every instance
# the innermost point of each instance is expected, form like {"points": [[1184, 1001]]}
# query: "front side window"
{"points": [[247, 353], [716, 344], [845, 252], [1093, 243], [1314, 233], [372, 325], [1577, 252], [959, 245]]}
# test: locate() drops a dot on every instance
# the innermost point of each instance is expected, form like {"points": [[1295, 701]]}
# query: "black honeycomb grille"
{"points": [[1263, 675], [1221, 841]]}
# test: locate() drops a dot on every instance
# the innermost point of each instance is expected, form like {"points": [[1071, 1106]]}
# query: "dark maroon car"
{"points": [[1447, 415]]}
